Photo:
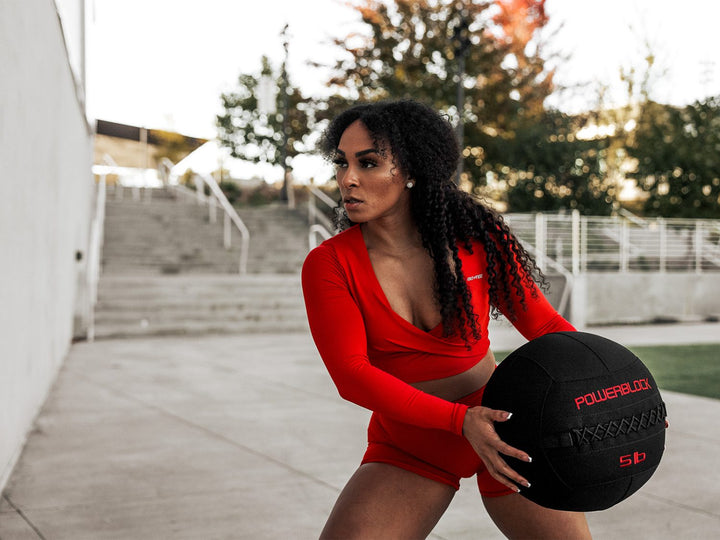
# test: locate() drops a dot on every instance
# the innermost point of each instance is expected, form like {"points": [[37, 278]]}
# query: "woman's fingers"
{"points": [[507, 475], [501, 471], [511, 451], [498, 444], [496, 416], [489, 446]]}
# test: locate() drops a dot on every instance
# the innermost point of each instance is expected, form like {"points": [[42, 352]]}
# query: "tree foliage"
{"points": [[530, 155], [255, 135], [548, 168], [678, 154], [410, 50]]}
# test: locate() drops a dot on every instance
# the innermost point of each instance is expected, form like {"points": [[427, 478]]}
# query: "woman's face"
{"points": [[370, 183]]}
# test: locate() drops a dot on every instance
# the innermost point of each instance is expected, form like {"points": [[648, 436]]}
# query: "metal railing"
{"points": [[570, 244], [544, 263], [625, 243], [95, 246], [216, 199], [320, 224], [137, 192]]}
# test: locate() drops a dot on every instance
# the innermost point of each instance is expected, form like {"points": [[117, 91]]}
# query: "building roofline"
{"points": [[134, 133]]}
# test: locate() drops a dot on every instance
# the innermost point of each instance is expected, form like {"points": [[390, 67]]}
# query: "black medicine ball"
{"points": [[587, 411]]}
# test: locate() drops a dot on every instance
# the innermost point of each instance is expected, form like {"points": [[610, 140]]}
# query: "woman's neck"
{"points": [[391, 236]]}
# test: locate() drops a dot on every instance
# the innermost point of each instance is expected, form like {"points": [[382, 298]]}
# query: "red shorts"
{"points": [[433, 453]]}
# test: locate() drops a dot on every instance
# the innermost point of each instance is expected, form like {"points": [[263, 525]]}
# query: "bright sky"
{"points": [[163, 63]]}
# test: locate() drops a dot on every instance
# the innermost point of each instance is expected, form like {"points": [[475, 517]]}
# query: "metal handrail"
{"points": [[189, 194], [315, 231], [627, 214], [95, 247], [325, 226], [217, 198], [569, 278], [323, 197], [231, 215]]}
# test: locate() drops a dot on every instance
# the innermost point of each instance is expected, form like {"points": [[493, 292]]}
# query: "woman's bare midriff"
{"points": [[454, 387]]}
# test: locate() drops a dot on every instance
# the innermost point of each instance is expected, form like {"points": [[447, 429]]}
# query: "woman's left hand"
{"points": [[479, 430]]}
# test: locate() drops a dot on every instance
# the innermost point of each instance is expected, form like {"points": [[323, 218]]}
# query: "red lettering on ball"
{"points": [[632, 459], [612, 392]]}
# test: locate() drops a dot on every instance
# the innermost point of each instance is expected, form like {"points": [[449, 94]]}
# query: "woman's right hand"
{"points": [[479, 430]]}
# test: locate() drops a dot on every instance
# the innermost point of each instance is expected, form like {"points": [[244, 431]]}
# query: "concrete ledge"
{"points": [[645, 297]]}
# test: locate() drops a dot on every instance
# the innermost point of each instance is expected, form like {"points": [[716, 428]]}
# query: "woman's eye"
{"points": [[339, 163], [368, 163]]}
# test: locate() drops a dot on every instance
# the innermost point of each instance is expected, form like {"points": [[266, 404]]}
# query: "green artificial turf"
{"points": [[691, 369]]}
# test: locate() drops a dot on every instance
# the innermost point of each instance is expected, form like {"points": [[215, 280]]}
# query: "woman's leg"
{"points": [[383, 501], [518, 518]]}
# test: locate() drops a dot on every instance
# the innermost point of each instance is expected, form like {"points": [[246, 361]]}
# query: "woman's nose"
{"points": [[349, 178]]}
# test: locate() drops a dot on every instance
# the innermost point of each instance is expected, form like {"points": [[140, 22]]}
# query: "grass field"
{"points": [[691, 369]]}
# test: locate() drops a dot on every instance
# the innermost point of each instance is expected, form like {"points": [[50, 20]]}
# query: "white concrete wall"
{"points": [[46, 195], [607, 298]]}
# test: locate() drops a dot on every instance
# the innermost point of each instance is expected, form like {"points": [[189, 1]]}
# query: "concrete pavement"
{"points": [[244, 437]]}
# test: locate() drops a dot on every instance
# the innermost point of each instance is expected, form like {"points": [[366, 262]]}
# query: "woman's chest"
{"points": [[407, 283]]}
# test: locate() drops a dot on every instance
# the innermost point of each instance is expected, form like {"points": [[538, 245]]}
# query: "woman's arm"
{"points": [[338, 329], [539, 318], [532, 315]]}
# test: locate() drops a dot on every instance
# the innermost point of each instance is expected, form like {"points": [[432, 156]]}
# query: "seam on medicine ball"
{"points": [[623, 426], [597, 355]]}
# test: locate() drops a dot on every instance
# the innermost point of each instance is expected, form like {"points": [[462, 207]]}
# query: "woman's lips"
{"points": [[351, 203]]}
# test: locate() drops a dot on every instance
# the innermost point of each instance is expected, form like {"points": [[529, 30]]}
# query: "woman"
{"points": [[398, 305]]}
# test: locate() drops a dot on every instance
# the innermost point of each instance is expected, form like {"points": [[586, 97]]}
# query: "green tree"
{"points": [[256, 135], [410, 50], [546, 167], [678, 158]]}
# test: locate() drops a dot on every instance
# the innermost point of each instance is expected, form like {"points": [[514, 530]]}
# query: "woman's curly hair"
{"points": [[424, 147]]}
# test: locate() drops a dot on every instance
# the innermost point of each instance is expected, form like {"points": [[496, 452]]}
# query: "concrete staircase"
{"points": [[166, 272], [196, 304], [164, 236], [167, 236], [278, 239]]}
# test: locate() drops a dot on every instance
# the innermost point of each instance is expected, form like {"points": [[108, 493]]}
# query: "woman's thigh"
{"points": [[519, 518], [384, 501]]}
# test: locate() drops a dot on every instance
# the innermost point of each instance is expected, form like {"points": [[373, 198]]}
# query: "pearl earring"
{"points": [[409, 185]]}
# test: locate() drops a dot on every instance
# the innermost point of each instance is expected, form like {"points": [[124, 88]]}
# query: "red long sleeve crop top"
{"points": [[372, 353]]}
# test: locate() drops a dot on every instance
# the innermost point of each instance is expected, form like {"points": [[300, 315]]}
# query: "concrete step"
{"points": [[169, 249], [127, 193], [182, 317], [145, 328], [167, 236], [174, 251], [198, 284], [136, 305], [166, 272], [214, 306], [156, 212], [168, 268], [170, 259], [199, 238]]}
